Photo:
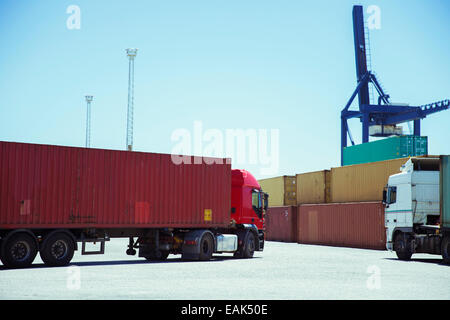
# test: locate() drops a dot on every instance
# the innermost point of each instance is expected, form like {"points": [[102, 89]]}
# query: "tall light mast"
{"points": [[88, 120], [131, 54]]}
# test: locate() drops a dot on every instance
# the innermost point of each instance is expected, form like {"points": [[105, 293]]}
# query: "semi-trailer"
{"points": [[53, 198], [417, 214]]}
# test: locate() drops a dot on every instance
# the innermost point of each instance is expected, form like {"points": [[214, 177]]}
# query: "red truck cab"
{"points": [[248, 202]]}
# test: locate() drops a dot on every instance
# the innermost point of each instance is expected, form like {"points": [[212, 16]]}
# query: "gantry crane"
{"points": [[384, 116]]}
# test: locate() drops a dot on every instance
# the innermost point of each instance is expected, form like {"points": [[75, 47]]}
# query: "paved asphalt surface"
{"points": [[281, 271]]}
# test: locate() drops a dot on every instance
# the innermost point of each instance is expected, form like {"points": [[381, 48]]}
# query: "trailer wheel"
{"points": [[206, 247], [18, 250], [57, 249], [445, 249], [402, 246], [157, 255]]}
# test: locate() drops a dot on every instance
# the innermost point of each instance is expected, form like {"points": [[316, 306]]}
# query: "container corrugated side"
{"points": [[420, 146], [281, 190], [290, 191], [313, 187], [274, 187], [385, 149], [281, 224], [444, 187], [362, 182], [54, 186], [358, 225]]}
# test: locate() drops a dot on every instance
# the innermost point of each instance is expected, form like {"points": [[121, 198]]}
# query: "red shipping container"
{"points": [[43, 186], [281, 224], [358, 225]]}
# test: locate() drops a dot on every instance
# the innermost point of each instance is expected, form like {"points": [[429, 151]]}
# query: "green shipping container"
{"points": [[386, 149], [420, 146], [445, 191]]}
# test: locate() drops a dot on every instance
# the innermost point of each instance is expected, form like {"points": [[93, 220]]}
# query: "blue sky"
{"points": [[286, 65]]}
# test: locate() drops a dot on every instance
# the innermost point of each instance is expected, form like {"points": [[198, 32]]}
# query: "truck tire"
{"points": [[18, 250], [248, 247], [57, 249], [206, 247], [445, 249], [157, 255], [402, 246]]}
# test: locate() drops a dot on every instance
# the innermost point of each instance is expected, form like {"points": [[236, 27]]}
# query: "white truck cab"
{"points": [[412, 198], [412, 213]]}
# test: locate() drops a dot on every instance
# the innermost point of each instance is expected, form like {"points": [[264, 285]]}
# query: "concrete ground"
{"points": [[281, 271]]}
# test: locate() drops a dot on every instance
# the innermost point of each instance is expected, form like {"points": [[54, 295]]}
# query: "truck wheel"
{"points": [[157, 255], [131, 252], [206, 247], [248, 248], [18, 250], [445, 249], [57, 250], [402, 247]]}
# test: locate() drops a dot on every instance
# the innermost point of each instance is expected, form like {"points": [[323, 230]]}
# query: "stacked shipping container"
{"points": [[386, 149], [281, 190], [358, 224], [281, 224], [314, 187], [362, 182], [281, 220], [340, 207], [353, 216]]}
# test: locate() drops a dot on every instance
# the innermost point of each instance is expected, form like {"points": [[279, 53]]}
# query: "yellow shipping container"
{"points": [[313, 187], [362, 182], [282, 190]]}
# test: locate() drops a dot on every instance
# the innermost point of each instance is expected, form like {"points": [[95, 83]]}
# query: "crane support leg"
{"points": [[365, 128], [344, 130], [417, 127]]}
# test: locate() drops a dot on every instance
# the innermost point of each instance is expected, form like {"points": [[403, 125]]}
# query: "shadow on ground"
{"points": [[130, 262], [431, 260]]}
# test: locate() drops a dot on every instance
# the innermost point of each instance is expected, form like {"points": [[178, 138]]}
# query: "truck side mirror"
{"points": [[266, 201], [384, 196]]}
